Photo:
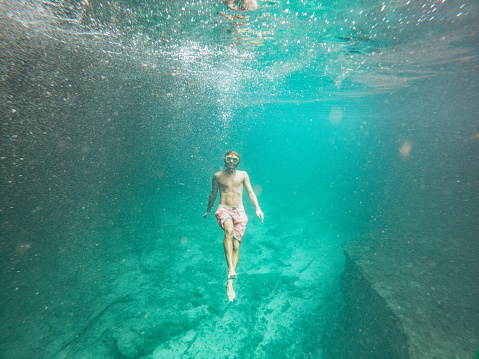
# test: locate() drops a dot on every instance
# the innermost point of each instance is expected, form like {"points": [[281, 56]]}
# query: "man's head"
{"points": [[250, 4], [232, 159]]}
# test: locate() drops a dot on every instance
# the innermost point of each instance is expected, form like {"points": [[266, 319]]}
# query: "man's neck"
{"points": [[230, 170]]}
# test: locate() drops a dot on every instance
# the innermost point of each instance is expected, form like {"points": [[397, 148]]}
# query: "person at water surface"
{"points": [[241, 5], [230, 213]]}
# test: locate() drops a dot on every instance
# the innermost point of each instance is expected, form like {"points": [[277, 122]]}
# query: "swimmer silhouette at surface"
{"points": [[241, 5]]}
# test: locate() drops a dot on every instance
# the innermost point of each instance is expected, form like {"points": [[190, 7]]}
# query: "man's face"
{"points": [[231, 161]]}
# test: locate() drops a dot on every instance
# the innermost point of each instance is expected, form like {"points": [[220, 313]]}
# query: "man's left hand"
{"points": [[260, 215]]}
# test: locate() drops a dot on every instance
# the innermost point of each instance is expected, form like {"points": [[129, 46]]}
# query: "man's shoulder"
{"points": [[218, 175], [243, 174], [221, 173]]}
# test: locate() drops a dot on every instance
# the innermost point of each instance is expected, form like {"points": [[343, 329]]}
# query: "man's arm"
{"points": [[212, 197], [252, 197]]}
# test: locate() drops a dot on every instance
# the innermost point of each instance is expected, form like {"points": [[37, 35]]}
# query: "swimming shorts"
{"points": [[238, 216]]}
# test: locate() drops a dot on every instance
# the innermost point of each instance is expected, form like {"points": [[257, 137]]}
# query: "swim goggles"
{"points": [[233, 159]]}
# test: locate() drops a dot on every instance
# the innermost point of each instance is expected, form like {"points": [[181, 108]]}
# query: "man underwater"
{"points": [[230, 213]]}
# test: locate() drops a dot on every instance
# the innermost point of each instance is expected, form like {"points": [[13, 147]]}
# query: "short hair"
{"points": [[234, 153]]}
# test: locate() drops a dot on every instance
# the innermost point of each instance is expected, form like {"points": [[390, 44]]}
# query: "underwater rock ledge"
{"points": [[405, 299], [365, 326]]}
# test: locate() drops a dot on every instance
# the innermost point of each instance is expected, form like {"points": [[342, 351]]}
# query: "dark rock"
{"points": [[406, 299]]}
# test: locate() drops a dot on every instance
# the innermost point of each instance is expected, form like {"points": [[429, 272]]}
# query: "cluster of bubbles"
{"points": [[333, 39]]}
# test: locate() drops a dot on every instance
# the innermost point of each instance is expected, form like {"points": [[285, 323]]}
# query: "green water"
{"points": [[355, 120]]}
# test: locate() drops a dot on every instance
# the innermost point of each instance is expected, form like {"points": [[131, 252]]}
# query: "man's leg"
{"points": [[236, 250], [228, 245]]}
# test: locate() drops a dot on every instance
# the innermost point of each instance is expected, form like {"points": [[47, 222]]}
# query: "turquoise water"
{"points": [[355, 120]]}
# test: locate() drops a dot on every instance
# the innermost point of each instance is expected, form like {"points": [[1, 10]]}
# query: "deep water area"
{"points": [[356, 121]]}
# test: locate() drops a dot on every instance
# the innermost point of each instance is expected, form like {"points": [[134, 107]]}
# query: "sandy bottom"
{"points": [[165, 296]]}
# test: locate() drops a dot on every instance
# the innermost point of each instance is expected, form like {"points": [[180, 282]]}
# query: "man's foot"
{"points": [[229, 290]]}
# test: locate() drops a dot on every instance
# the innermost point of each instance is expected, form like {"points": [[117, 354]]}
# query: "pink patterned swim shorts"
{"points": [[238, 216]]}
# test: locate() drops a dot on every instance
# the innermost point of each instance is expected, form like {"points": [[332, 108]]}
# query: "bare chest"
{"points": [[231, 182]]}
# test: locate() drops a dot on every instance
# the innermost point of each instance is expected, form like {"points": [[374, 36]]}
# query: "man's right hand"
{"points": [[206, 214]]}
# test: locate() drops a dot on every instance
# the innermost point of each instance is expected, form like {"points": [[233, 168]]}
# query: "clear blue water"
{"points": [[356, 121]]}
